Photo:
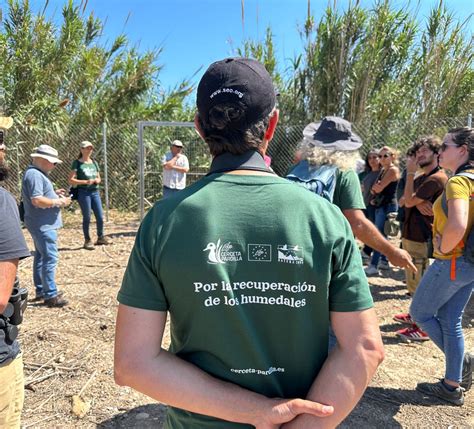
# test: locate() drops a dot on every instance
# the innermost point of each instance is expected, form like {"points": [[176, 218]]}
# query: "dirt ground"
{"points": [[69, 352]]}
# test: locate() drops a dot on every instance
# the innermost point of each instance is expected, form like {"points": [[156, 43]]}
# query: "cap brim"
{"points": [[51, 159]]}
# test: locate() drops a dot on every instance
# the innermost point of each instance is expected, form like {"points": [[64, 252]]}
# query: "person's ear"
{"points": [[272, 125], [197, 126]]}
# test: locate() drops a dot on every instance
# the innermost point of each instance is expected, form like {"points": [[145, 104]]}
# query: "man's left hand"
{"points": [[285, 410]]}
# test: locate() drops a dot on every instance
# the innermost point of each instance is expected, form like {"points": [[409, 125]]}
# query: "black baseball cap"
{"points": [[242, 81]]}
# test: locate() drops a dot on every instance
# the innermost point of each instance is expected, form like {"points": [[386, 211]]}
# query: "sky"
{"points": [[194, 33]]}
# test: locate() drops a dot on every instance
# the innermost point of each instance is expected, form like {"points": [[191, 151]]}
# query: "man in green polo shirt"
{"points": [[251, 272]]}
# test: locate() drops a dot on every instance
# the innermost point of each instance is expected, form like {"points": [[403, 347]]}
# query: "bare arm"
{"points": [[348, 369], [181, 169], [393, 174], [409, 194], [73, 180], [142, 364], [458, 213], [47, 203], [367, 232], [7, 280], [168, 165]]}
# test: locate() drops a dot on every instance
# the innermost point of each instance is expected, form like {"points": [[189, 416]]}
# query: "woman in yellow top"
{"points": [[447, 285]]}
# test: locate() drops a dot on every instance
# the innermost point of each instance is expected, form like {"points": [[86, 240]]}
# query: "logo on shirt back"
{"points": [[220, 253], [289, 254]]}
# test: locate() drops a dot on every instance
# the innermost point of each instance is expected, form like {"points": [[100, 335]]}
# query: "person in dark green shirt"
{"points": [[251, 271], [85, 175]]}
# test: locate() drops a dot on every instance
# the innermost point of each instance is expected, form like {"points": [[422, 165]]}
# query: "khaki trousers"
{"points": [[12, 393], [419, 253]]}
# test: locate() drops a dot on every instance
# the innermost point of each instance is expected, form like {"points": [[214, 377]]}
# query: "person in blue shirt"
{"points": [[42, 219]]}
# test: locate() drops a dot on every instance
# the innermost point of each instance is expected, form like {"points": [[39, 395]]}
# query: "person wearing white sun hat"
{"points": [[42, 219]]}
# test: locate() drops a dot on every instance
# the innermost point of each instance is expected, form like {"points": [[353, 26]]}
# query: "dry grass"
{"points": [[69, 351]]}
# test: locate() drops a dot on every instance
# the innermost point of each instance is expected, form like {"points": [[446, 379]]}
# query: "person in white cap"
{"points": [[85, 175], [42, 219], [175, 166]]}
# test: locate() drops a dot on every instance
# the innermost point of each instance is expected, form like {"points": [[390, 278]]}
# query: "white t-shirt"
{"points": [[171, 178]]}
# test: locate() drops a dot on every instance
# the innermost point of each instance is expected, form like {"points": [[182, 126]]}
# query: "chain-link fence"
{"points": [[117, 152]]}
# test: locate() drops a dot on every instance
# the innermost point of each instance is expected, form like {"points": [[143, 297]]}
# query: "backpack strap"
{"points": [[444, 202]]}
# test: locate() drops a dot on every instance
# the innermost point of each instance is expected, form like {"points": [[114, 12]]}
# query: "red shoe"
{"points": [[413, 334], [404, 318]]}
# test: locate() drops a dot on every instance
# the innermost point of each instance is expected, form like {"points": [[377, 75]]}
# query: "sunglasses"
{"points": [[444, 146], [386, 155]]}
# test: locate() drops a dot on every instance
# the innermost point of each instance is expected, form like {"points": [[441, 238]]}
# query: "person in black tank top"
{"points": [[384, 199]]}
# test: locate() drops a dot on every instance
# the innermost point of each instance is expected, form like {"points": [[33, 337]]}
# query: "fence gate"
{"points": [[154, 139]]}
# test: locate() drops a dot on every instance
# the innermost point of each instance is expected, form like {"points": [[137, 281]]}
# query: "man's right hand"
{"points": [[65, 201], [285, 410], [401, 258]]}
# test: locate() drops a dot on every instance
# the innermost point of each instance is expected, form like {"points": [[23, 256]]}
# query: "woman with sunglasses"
{"points": [[446, 287], [384, 201], [367, 179], [85, 176]]}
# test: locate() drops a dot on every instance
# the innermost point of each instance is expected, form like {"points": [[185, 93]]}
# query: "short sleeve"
{"points": [[163, 160], [141, 286], [429, 189], [12, 241], [34, 184], [348, 193], [348, 290], [74, 165], [458, 187], [185, 162]]}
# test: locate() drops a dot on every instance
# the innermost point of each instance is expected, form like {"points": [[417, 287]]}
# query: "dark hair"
{"points": [[226, 130], [464, 136], [411, 151], [433, 142], [4, 172], [368, 168]]}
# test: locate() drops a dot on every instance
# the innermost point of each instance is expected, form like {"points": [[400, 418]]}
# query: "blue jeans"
{"points": [[45, 262], [380, 217], [167, 192], [369, 212], [438, 306], [91, 200]]}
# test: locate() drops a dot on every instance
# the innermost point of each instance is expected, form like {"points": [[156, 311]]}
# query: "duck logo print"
{"points": [[289, 254], [220, 253]]}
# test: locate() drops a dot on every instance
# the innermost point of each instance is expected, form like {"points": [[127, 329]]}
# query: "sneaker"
{"points": [[383, 265], [413, 334], [371, 270], [403, 318], [439, 390], [57, 302], [88, 245], [468, 363], [102, 241]]}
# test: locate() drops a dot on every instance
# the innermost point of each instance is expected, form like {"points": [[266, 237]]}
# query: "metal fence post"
{"points": [[469, 120], [106, 170], [141, 169]]}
